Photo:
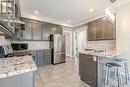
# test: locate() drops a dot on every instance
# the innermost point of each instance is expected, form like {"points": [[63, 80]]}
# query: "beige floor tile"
{"points": [[51, 84], [61, 75]]}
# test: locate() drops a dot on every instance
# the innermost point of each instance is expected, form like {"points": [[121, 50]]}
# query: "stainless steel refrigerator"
{"points": [[57, 46]]}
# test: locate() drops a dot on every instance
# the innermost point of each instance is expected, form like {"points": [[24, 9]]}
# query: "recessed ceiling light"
{"points": [[36, 12], [91, 10], [69, 21]]}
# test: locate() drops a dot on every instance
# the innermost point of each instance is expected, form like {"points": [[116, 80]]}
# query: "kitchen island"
{"points": [[17, 72], [92, 66]]}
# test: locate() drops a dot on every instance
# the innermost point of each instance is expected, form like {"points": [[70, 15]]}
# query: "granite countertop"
{"points": [[107, 54], [16, 65]]}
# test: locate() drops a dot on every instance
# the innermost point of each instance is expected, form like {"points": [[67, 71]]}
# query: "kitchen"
{"points": [[87, 42]]}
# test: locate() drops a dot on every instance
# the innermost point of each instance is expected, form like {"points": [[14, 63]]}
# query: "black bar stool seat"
{"points": [[113, 65]]}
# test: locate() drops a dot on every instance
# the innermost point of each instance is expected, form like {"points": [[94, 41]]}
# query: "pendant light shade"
{"points": [[113, 1]]}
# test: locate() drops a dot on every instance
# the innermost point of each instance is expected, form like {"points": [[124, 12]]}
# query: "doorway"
{"points": [[68, 42], [80, 42]]}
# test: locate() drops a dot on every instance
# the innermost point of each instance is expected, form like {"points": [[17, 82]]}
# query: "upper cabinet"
{"points": [[36, 30], [101, 29], [27, 31], [10, 17]]}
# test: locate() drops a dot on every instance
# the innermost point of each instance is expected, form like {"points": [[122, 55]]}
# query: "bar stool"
{"points": [[125, 62], [116, 67]]}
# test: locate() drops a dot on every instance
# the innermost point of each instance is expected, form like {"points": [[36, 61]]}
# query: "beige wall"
{"points": [[123, 30]]}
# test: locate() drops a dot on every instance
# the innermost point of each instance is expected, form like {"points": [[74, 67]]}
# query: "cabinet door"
{"points": [[99, 32], [56, 29], [40, 58], [109, 30], [47, 57], [27, 33], [45, 32], [91, 31], [103, 28], [88, 69], [36, 27]]}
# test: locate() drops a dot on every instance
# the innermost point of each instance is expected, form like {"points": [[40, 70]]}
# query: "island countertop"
{"points": [[16, 65], [107, 54]]}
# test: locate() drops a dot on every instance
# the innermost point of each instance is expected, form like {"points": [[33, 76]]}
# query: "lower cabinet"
{"points": [[92, 69], [42, 57], [88, 70]]}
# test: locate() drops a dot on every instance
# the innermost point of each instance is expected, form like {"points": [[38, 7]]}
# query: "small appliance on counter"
{"points": [[13, 51], [57, 46], [6, 50]]}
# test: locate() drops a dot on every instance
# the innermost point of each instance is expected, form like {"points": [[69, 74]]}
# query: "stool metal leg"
{"points": [[118, 78], [106, 72], [126, 73], [106, 76]]}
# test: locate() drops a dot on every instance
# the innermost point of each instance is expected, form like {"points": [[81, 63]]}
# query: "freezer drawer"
{"points": [[59, 58]]}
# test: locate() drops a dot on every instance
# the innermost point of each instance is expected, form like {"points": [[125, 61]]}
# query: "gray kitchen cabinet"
{"points": [[47, 57], [36, 30], [20, 80], [91, 31], [42, 57], [110, 30], [101, 29], [92, 69], [46, 28], [88, 69], [27, 33], [39, 31]]}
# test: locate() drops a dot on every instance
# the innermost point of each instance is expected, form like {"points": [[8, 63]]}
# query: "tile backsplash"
{"points": [[35, 45], [108, 44], [4, 41]]}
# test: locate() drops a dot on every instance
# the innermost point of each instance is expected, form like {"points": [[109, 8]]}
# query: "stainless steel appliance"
{"points": [[57, 46], [5, 50]]}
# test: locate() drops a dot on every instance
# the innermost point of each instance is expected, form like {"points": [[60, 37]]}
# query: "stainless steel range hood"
{"points": [[16, 20], [6, 30]]}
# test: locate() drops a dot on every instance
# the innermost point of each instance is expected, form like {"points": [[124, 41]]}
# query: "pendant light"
{"points": [[109, 15]]}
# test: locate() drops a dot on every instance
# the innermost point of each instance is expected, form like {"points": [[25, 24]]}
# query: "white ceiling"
{"points": [[60, 11]]}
